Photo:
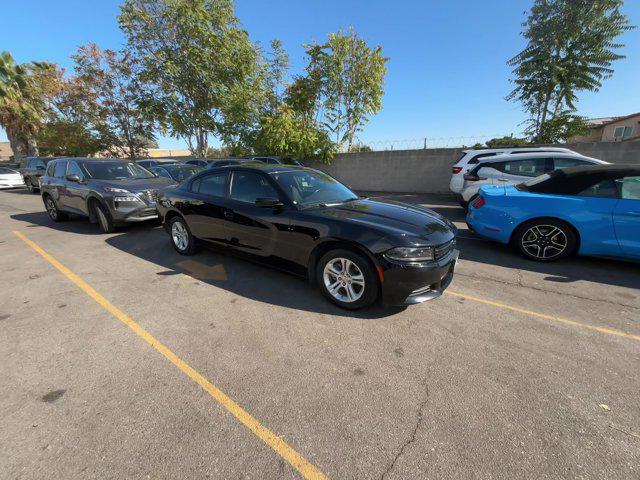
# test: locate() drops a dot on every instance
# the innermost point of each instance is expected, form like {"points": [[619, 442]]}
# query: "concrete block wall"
{"points": [[429, 171]]}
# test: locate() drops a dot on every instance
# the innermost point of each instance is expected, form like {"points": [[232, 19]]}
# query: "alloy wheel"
{"points": [[344, 280], [544, 241], [51, 209], [179, 235]]}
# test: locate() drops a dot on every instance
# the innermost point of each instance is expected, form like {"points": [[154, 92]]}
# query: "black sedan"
{"points": [[306, 222], [176, 172]]}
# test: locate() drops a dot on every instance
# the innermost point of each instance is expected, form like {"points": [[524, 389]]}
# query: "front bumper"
{"points": [[417, 283], [132, 212]]}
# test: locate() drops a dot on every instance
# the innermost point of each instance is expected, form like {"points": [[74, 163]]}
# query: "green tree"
{"points": [[350, 76], [289, 135], [25, 101], [503, 142], [571, 45], [199, 68], [112, 98]]}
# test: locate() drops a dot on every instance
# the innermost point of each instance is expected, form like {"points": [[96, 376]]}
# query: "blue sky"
{"points": [[447, 75]]}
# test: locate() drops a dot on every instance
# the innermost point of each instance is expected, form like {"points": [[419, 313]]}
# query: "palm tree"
{"points": [[23, 102]]}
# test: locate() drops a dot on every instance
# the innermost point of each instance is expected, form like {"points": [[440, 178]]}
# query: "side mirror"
{"points": [[268, 202], [72, 177]]}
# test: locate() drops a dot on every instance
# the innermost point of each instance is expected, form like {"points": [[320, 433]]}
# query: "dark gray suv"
{"points": [[108, 191]]}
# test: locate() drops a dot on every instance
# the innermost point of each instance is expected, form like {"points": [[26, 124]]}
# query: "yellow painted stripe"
{"points": [[608, 331], [297, 461]]}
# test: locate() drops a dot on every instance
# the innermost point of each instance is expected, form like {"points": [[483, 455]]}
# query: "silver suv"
{"points": [[108, 191]]}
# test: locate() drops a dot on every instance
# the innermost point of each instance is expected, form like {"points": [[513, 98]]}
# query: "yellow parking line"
{"points": [[608, 331], [297, 461]]}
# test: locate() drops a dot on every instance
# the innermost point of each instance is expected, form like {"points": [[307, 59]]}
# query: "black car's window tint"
{"points": [[214, 185], [602, 189], [60, 169], [565, 162], [39, 164], [249, 186], [629, 188], [74, 169], [163, 172], [308, 188]]}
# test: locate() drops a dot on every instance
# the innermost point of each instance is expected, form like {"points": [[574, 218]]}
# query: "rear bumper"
{"points": [[411, 284], [4, 185]]}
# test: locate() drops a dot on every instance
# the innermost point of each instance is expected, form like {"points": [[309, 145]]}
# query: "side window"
{"points": [[50, 167], [162, 172], [629, 188], [603, 189], [60, 169], [249, 186], [525, 168], [74, 169], [214, 185], [565, 162], [39, 164]]}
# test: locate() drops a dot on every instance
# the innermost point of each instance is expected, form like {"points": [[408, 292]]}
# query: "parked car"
{"points": [[108, 191], [198, 162], [469, 158], [31, 169], [276, 160], [231, 161], [155, 162], [308, 223], [10, 178], [176, 172], [592, 210], [512, 169]]}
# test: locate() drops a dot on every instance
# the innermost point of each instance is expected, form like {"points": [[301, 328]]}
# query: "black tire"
{"points": [[105, 222], [179, 230], [545, 239], [52, 210], [30, 186], [347, 286]]}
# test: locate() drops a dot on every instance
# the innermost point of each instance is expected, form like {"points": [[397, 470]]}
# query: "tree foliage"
{"points": [[504, 142], [571, 47], [200, 69], [26, 92], [111, 100], [349, 76]]}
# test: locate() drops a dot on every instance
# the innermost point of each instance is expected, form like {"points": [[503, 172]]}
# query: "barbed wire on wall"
{"points": [[428, 142]]}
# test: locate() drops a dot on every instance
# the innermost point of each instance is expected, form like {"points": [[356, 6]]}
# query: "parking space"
{"points": [[522, 370]]}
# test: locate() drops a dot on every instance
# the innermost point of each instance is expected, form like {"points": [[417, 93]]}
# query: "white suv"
{"points": [[513, 169], [470, 158]]}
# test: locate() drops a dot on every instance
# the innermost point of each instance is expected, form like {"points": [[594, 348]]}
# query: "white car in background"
{"points": [[514, 169], [470, 158], [10, 178]]}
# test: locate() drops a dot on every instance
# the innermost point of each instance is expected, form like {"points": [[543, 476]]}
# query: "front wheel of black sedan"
{"points": [[347, 279], [546, 239], [181, 238]]}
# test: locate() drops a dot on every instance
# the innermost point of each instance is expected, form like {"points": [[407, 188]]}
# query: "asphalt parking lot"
{"points": [[212, 367]]}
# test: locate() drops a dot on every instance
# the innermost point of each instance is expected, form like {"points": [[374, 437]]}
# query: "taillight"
{"points": [[456, 170], [478, 202]]}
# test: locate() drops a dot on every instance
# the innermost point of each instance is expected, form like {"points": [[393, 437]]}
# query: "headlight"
{"points": [[125, 198], [410, 254]]}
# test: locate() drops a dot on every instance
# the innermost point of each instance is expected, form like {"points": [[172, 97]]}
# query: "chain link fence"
{"points": [[425, 142]]}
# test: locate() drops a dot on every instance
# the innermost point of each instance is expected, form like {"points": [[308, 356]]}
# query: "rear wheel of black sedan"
{"points": [[181, 238], [546, 239], [347, 279]]}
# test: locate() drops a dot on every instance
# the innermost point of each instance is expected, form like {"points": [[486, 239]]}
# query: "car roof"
{"points": [[505, 149], [528, 156], [159, 160], [263, 167], [95, 160], [569, 181]]}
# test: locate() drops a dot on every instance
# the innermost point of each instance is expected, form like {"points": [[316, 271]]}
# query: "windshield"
{"points": [[307, 188], [116, 170], [180, 173]]}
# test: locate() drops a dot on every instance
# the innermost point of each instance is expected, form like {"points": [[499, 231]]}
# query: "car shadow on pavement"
{"points": [[236, 275], [597, 270]]}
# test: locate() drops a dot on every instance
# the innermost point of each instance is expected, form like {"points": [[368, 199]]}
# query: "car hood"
{"points": [[137, 185], [394, 218]]}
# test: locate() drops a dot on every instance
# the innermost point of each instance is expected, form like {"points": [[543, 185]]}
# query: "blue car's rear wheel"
{"points": [[546, 239]]}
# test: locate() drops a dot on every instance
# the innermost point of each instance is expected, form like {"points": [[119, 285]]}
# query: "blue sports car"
{"points": [[592, 210]]}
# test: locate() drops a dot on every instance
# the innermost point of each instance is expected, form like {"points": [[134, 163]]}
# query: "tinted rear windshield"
{"points": [[116, 170]]}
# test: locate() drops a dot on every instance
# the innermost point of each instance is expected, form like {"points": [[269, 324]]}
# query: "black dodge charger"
{"points": [[306, 222]]}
